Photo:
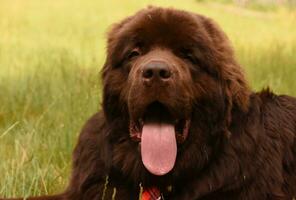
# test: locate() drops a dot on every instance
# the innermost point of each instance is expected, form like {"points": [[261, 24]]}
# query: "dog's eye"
{"points": [[134, 53], [189, 57], [187, 54]]}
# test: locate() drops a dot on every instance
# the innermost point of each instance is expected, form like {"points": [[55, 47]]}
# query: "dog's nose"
{"points": [[156, 70]]}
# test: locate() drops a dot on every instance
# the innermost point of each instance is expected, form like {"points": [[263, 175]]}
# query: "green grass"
{"points": [[51, 53]]}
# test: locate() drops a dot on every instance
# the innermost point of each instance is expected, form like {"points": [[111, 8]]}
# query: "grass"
{"points": [[50, 57]]}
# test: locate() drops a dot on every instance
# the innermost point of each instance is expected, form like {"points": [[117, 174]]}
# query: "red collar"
{"points": [[151, 194]]}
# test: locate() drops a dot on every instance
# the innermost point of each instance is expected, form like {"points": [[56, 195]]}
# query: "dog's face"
{"points": [[171, 78]]}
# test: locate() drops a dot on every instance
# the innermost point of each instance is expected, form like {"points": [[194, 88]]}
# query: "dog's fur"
{"points": [[241, 144]]}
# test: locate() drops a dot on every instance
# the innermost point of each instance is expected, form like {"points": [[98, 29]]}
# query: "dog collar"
{"points": [[151, 194]]}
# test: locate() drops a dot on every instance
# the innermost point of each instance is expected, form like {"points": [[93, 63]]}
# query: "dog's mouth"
{"points": [[159, 133], [158, 113]]}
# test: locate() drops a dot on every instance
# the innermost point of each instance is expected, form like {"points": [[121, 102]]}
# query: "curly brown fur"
{"points": [[240, 145]]}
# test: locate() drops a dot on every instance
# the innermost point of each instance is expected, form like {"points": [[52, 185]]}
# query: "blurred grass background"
{"points": [[51, 52]]}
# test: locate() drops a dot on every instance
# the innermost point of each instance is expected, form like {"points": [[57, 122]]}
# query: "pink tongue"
{"points": [[158, 147]]}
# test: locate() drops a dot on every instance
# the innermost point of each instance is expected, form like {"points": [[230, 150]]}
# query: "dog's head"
{"points": [[170, 84]]}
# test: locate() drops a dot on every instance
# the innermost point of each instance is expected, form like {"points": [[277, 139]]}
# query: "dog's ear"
{"points": [[236, 91], [231, 73], [112, 82], [219, 53]]}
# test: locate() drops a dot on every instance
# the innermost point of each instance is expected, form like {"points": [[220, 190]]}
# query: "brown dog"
{"points": [[179, 120]]}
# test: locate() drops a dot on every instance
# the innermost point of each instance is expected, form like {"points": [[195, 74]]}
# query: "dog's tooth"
{"points": [[137, 128], [141, 121], [139, 135]]}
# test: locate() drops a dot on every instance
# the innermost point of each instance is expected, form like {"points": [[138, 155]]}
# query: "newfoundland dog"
{"points": [[179, 120]]}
